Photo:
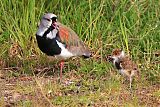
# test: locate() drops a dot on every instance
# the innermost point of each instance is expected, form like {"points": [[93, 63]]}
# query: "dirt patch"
{"points": [[42, 90]]}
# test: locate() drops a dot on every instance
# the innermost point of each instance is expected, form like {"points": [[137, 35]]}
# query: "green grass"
{"points": [[102, 25]]}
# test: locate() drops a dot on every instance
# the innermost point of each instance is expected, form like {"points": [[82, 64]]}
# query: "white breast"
{"points": [[64, 52], [122, 71]]}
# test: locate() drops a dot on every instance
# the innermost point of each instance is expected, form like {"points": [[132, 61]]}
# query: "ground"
{"points": [[43, 88]]}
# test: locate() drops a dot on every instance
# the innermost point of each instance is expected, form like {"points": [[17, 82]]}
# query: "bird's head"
{"points": [[119, 53], [48, 24], [49, 19], [116, 55]]}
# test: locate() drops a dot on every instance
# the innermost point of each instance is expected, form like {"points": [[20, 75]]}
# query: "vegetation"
{"points": [[30, 78]]}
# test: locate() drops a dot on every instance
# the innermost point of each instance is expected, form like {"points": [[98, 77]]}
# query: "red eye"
{"points": [[47, 19]]}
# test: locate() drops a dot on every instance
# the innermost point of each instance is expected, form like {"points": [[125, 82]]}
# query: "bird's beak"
{"points": [[55, 25], [109, 58]]}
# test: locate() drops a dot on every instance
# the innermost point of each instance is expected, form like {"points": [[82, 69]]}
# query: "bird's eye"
{"points": [[47, 19], [135, 68]]}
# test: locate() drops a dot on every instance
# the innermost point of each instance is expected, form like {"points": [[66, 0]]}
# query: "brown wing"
{"points": [[73, 42], [127, 63]]}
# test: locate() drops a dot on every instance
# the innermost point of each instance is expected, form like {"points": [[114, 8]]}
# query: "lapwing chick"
{"points": [[124, 64]]}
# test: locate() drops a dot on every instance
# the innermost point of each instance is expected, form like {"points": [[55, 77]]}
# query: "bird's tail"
{"points": [[87, 54]]}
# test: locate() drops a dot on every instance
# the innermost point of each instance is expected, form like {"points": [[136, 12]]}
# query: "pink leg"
{"points": [[61, 68]]}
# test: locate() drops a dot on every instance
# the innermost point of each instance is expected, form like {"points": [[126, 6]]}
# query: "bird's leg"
{"points": [[61, 68], [130, 82], [130, 85]]}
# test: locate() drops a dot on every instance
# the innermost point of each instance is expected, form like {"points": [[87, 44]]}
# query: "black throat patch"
{"points": [[48, 31], [117, 64], [49, 46]]}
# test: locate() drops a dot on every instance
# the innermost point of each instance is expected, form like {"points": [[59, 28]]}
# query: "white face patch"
{"points": [[52, 34], [122, 54], [115, 59], [41, 31], [64, 52]]}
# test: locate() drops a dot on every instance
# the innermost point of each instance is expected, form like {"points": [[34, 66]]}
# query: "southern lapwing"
{"points": [[124, 64], [56, 39]]}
